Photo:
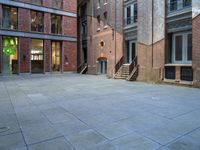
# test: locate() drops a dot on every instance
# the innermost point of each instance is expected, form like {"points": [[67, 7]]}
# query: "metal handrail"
{"points": [[133, 64], [119, 64]]}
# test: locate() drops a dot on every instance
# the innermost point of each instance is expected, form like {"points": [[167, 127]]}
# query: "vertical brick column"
{"points": [[70, 26], [25, 48], [47, 23], [1, 52], [24, 20], [178, 73], [69, 56], [70, 6], [47, 55], [196, 49]]}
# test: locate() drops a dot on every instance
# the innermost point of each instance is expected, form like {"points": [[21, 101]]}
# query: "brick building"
{"points": [[38, 36], [160, 39], [100, 36]]}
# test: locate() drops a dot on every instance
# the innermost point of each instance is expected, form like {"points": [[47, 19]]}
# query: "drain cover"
{"points": [[4, 129]]}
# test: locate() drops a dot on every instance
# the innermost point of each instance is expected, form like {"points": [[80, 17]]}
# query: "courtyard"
{"points": [[84, 112]]}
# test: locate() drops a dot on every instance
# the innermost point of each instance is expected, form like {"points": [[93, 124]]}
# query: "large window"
{"points": [[182, 48], [179, 4], [37, 21], [57, 4], [9, 17], [56, 24], [37, 56], [131, 14]]}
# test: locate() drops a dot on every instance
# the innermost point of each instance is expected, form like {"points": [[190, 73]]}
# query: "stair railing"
{"points": [[81, 67], [133, 64], [119, 64]]}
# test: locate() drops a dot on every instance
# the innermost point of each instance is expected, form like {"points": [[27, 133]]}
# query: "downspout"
{"points": [[152, 32]]}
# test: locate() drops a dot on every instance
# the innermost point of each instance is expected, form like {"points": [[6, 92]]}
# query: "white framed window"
{"points": [[182, 48], [130, 13], [179, 4]]}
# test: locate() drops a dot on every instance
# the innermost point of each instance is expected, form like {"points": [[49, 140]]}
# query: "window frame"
{"points": [[184, 48], [37, 12], [17, 22], [132, 14]]}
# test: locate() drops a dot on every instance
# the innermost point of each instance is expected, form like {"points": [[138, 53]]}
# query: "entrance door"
{"points": [[10, 55], [103, 66], [56, 59], [131, 51]]}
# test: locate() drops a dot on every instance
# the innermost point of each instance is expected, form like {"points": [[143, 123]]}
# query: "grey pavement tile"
{"points": [[188, 142], [129, 142], [54, 144], [37, 132], [114, 130], [70, 128], [86, 139], [12, 142]]}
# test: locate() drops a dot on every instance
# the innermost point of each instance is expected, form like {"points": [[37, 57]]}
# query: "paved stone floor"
{"points": [[74, 112]]}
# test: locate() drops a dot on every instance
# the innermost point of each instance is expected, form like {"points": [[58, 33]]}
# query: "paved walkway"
{"points": [[74, 112]]}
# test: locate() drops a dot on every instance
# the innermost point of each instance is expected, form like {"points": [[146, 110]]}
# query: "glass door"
{"points": [[56, 56], [10, 55]]}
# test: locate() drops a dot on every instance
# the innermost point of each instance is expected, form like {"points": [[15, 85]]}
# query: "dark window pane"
{"points": [[37, 21], [173, 5], [170, 72], [187, 3], [56, 24], [9, 17], [178, 48], [186, 74], [135, 12], [189, 47]]}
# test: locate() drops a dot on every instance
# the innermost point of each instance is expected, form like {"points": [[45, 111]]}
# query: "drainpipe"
{"points": [[115, 34], [152, 31]]}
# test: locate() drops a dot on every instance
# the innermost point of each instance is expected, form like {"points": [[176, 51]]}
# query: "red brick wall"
{"points": [[70, 26], [24, 44], [1, 54], [23, 19], [47, 23], [47, 55], [69, 56], [47, 3], [196, 49], [70, 5], [151, 63]]}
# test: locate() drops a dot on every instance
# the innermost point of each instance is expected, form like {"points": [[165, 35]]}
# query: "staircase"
{"points": [[123, 72], [127, 72]]}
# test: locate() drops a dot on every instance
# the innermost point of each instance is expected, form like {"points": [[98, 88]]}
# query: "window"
{"points": [[57, 4], [98, 3], [105, 19], [179, 4], [131, 14], [37, 2], [37, 21], [9, 18], [182, 48], [37, 56], [56, 24], [98, 22]]}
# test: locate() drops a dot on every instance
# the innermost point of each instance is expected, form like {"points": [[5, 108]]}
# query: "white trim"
{"points": [[184, 48]]}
